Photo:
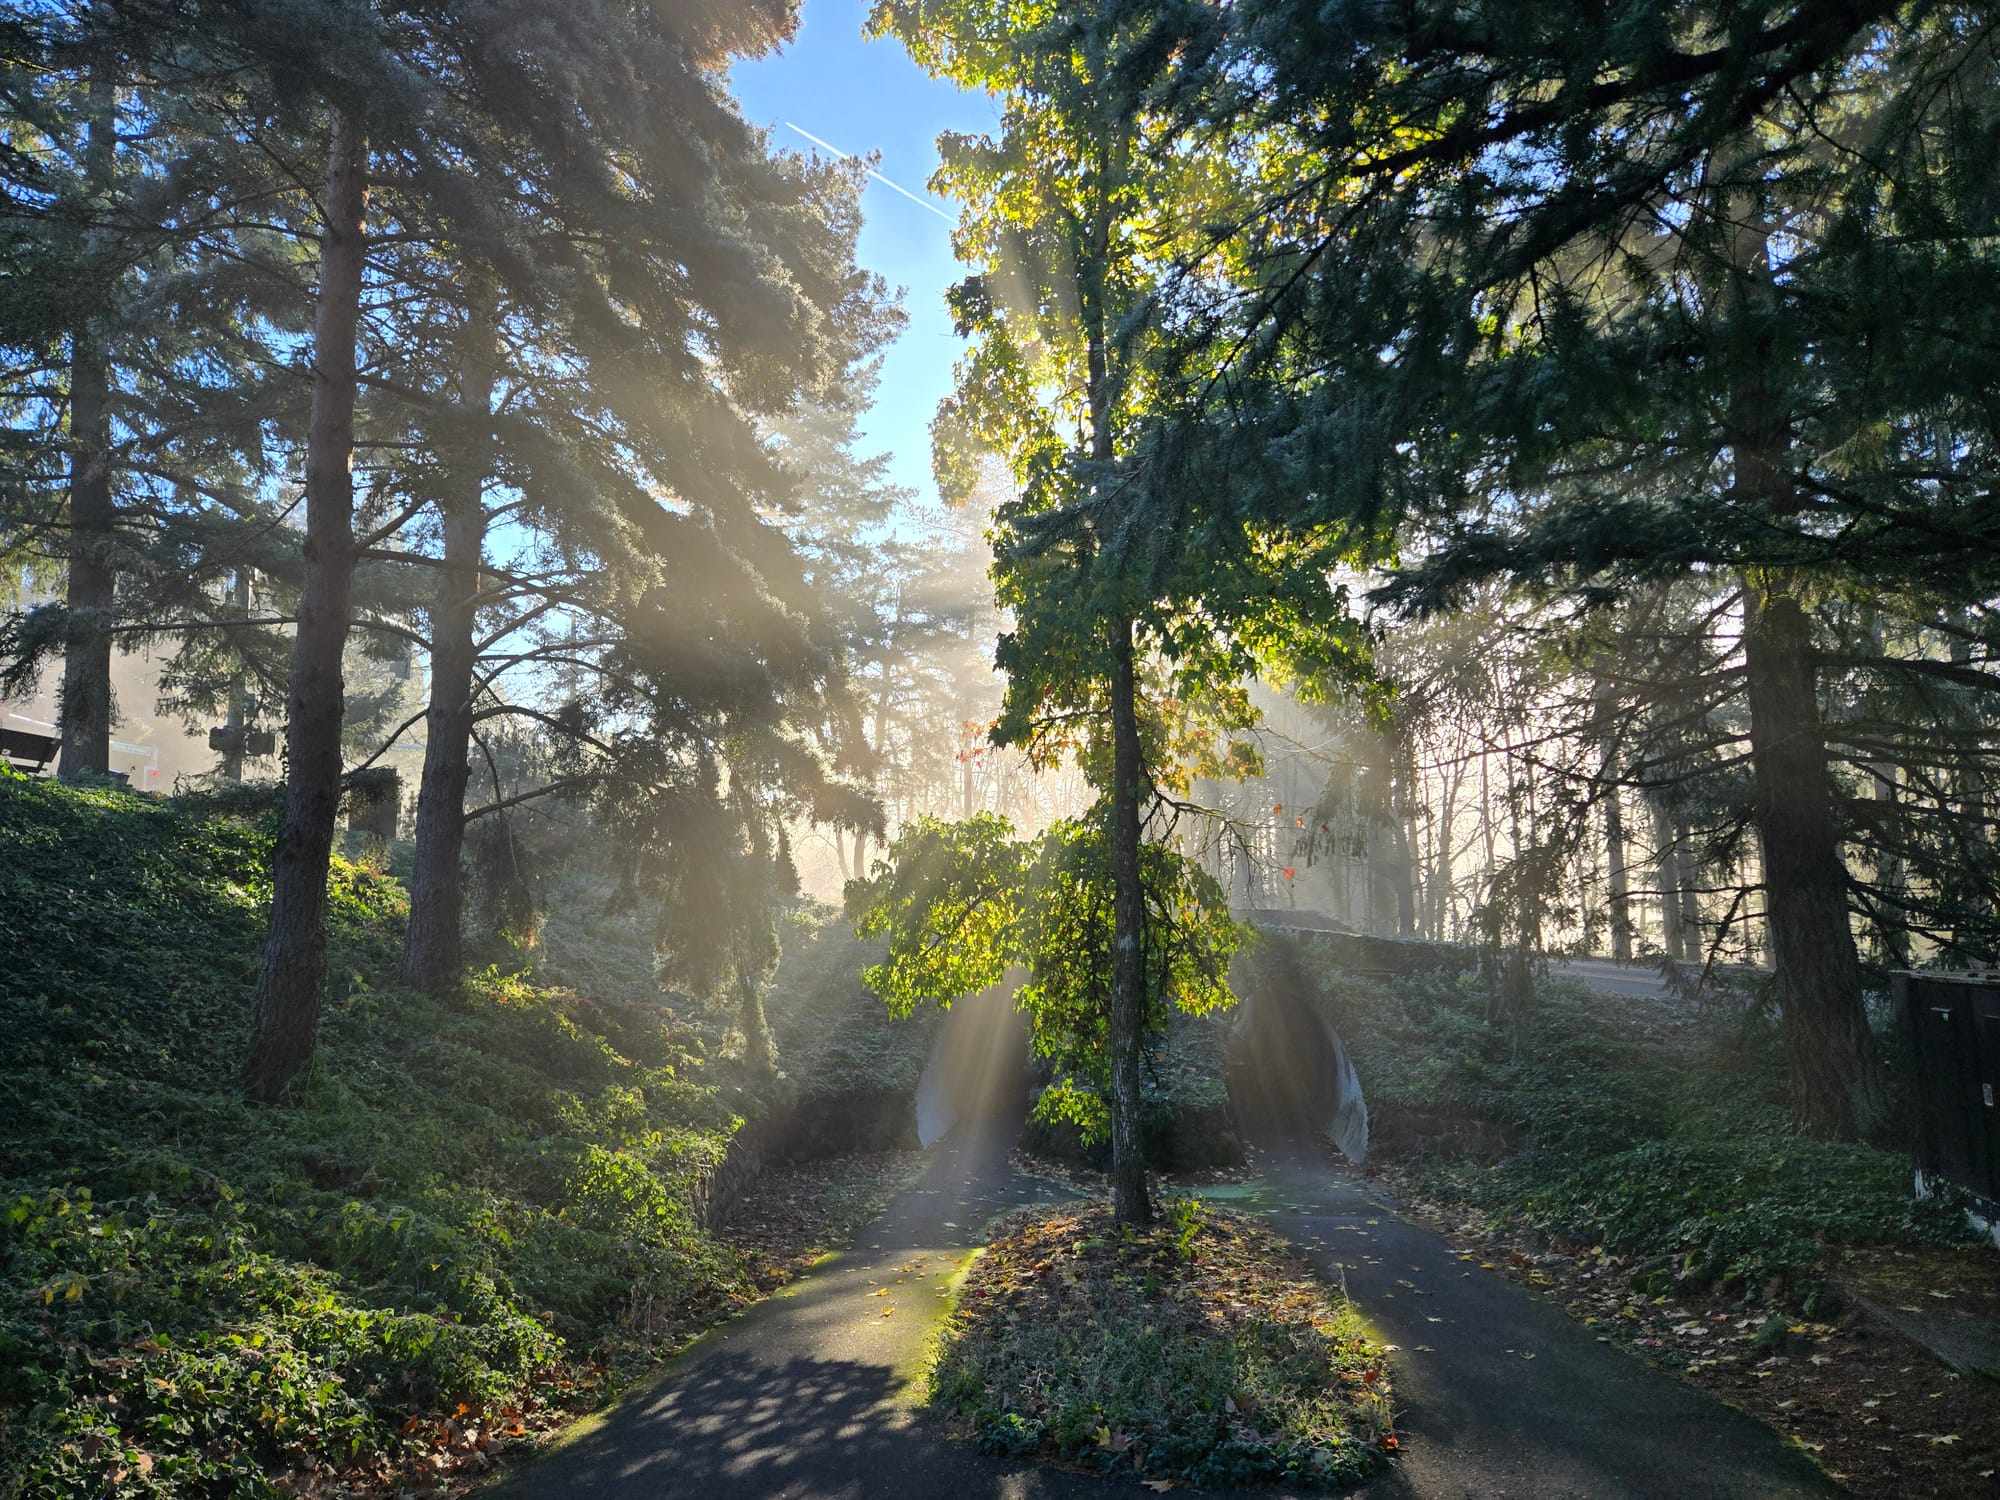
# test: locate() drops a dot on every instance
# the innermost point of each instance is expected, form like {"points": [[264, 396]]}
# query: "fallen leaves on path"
{"points": [[792, 1216]]}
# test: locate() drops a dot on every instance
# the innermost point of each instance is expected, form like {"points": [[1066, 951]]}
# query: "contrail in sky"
{"points": [[921, 202]]}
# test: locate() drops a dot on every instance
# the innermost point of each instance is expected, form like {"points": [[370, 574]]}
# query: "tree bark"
{"points": [[237, 723], [1688, 870], [1441, 874], [92, 588], [1890, 874], [1402, 821], [1836, 1083], [286, 1027], [1618, 879], [432, 944], [1130, 1201], [1668, 868]]}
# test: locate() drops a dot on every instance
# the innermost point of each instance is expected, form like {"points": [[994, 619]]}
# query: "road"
{"points": [[1642, 981]]}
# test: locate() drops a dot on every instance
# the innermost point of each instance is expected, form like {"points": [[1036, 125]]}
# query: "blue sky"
{"points": [[861, 96]]}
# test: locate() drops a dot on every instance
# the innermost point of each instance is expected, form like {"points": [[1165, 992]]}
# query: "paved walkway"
{"points": [[1501, 1393], [807, 1396]]}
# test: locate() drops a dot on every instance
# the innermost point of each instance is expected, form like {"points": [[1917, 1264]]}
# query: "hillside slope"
{"points": [[477, 1212]]}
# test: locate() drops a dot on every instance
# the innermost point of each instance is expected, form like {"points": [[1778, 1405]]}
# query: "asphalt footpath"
{"points": [[1500, 1394], [812, 1394]]}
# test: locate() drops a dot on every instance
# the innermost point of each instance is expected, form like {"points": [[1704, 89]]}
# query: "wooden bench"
{"points": [[28, 752]]}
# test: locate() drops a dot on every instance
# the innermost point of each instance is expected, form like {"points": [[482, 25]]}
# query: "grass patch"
{"points": [[1200, 1349]]}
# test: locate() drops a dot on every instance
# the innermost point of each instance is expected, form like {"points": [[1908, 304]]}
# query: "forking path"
{"points": [[813, 1394]]}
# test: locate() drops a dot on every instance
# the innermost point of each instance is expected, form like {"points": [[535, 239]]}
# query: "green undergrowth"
{"points": [[1655, 1130], [475, 1214], [833, 1034], [1201, 1349]]}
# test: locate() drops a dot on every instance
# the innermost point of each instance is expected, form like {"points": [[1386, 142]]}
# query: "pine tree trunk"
{"points": [[289, 983], [1890, 873], [1668, 869], [1128, 961], [432, 943], [1836, 1083], [1970, 782], [1688, 869], [1402, 821], [1617, 878], [91, 597]]}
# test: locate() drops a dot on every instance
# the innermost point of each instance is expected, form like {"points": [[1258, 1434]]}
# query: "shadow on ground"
{"points": [[809, 1396], [1500, 1393], [739, 1424]]}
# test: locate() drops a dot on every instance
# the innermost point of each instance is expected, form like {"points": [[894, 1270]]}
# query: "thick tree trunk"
{"points": [[1128, 953], [288, 985], [85, 711], [1835, 1078], [432, 943]]}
